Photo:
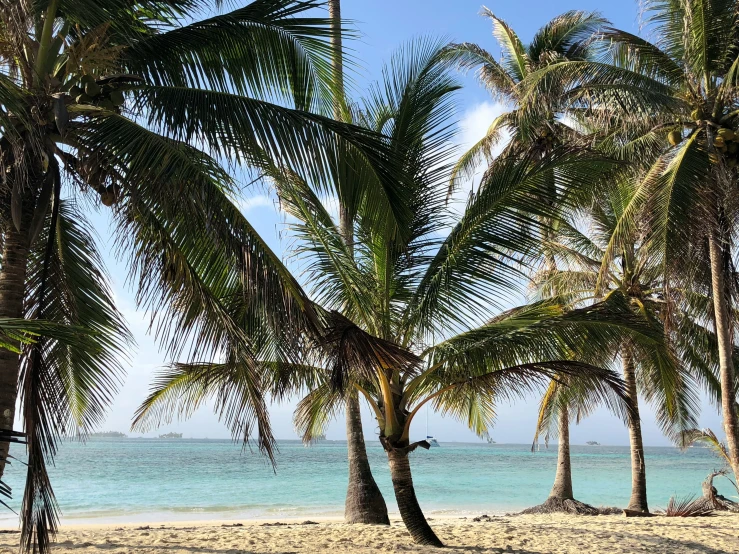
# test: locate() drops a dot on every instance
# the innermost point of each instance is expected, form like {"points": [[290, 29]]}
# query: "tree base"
{"points": [[555, 505]]}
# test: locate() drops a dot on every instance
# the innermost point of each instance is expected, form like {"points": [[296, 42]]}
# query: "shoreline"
{"points": [[529, 534]]}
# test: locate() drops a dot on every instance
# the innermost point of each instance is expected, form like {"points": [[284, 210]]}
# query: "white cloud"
{"points": [[257, 201], [473, 126]]}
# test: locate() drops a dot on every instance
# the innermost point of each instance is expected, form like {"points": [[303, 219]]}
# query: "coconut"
{"points": [[697, 114], [733, 148], [87, 79], [675, 137], [92, 89], [106, 104], [719, 141], [107, 198], [83, 99], [117, 98], [75, 91]]}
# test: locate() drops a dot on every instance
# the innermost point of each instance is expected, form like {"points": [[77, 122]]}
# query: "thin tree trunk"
{"points": [[364, 501], [562, 487], [405, 495], [725, 346], [12, 288], [638, 501]]}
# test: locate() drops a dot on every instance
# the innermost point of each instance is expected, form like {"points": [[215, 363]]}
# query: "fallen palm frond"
{"points": [[686, 507]]}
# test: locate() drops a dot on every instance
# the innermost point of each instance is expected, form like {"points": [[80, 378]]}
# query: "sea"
{"points": [[152, 480]]}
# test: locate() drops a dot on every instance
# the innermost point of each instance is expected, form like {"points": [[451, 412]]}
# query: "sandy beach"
{"points": [[522, 534]]}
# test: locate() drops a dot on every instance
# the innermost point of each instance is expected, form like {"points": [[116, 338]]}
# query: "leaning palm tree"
{"points": [[394, 297], [681, 92], [130, 105]]}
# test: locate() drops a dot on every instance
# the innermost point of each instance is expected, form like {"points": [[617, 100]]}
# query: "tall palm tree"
{"points": [[682, 89], [131, 105], [636, 274], [364, 501], [532, 130]]}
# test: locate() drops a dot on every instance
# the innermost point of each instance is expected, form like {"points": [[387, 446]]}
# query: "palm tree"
{"points": [[380, 288], [681, 89], [364, 501], [527, 128], [532, 130], [636, 274], [131, 105], [392, 298]]}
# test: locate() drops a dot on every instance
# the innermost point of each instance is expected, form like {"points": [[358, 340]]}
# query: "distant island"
{"points": [[108, 435], [171, 436], [592, 443]]}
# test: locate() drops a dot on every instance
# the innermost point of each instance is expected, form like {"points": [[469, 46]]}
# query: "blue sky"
{"points": [[384, 26]]}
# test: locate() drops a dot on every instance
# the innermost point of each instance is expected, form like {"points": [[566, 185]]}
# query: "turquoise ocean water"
{"points": [[117, 480]]}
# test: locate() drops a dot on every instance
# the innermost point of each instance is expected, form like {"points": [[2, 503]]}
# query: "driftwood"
{"points": [[711, 497], [636, 513]]}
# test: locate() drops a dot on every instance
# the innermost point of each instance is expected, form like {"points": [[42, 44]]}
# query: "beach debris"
{"points": [[143, 528], [636, 513], [309, 522], [273, 524], [483, 517], [232, 525], [687, 507]]}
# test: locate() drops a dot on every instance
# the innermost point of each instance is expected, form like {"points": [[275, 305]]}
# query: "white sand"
{"points": [[523, 534]]}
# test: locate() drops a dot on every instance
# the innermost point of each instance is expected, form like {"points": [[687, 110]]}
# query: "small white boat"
{"points": [[430, 439]]}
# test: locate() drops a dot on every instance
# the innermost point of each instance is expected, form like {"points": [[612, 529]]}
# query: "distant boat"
{"points": [[429, 438], [592, 443], [171, 436], [491, 441]]}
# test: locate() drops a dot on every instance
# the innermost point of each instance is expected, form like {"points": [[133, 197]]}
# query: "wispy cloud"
{"points": [[257, 201]]}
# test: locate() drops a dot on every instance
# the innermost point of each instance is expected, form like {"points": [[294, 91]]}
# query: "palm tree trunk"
{"points": [[405, 495], [725, 346], [562, 488], [364, 501], [12, 289], [638, 501]]}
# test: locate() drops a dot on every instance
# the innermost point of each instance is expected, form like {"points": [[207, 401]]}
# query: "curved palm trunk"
{"points": [[562, 488], [405, 495], [638, 501], [725, 346], [12, 289], [364, 501]]}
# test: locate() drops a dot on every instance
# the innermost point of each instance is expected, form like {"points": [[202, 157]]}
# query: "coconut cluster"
{"points": [[546, 139], [86, 90], [726, 143]]}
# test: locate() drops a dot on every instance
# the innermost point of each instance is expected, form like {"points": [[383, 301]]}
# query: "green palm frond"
{"points": [[491, 74], [504, 220], [568, 34], [708, 438], [263, 49], [476, 396], [516, 59], [234, 386]]}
